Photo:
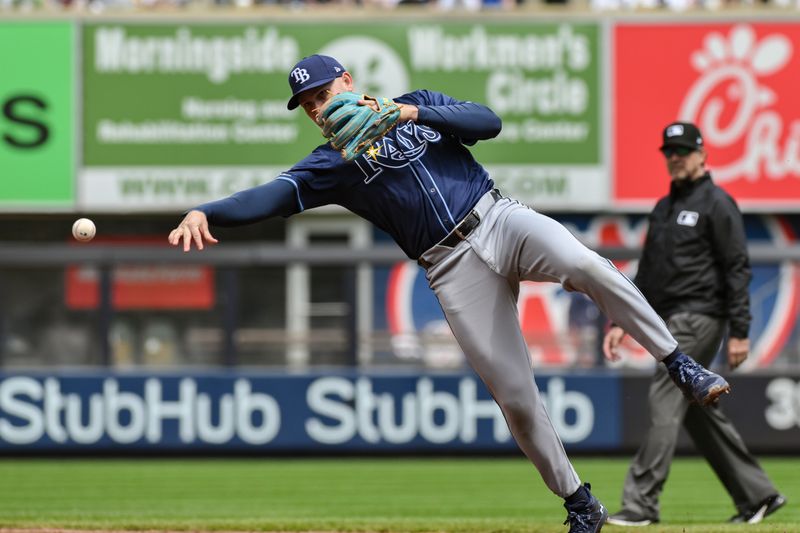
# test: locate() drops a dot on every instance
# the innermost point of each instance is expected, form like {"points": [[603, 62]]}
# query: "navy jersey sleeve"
{"points": [[313, 182], [320, 178], [278, 197], [468, 121]]}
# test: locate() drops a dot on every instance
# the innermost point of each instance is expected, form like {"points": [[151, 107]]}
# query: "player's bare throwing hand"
{"points": [[192, 229]]}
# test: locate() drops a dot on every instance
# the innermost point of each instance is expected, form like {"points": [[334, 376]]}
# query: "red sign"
{"points": [[139, 286], [738, 82]]}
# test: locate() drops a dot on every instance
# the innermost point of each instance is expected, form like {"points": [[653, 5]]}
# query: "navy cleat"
{"points": [[585, 513], [698, 384]]}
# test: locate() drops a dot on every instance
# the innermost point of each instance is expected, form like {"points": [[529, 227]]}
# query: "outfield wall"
{"points": [[219, 413], [103, 115]]}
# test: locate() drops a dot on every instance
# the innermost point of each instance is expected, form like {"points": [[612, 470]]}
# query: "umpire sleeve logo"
{"points": [[688, 218]]}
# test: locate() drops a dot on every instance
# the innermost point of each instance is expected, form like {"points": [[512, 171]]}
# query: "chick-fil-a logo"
{"points": [[737, 82], [732, 104]]}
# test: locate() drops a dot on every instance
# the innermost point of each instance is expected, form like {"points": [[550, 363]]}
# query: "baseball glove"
{"points": [[353, 128]]}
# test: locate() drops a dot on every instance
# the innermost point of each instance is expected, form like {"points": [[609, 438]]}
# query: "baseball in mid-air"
{"points": [[83, 230]]}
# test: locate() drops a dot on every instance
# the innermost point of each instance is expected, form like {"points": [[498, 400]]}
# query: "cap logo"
{"points": [[676, 130], [337, 69], [300, 75]]}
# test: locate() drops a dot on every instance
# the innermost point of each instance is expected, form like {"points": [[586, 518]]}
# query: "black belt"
{"points": [[460, 232], [462, 229]]}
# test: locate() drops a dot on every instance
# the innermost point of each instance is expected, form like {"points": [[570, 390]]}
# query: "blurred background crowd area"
{"points": [[99, 6]]}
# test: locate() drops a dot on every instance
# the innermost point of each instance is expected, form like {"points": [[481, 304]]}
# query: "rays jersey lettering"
{"points": [[409, 143]]}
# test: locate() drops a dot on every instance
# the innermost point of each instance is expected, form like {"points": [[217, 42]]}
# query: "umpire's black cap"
{"points": [[682, 134], [310, 72]]}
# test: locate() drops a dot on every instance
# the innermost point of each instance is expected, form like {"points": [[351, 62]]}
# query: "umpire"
{"points": [[695, 273]]}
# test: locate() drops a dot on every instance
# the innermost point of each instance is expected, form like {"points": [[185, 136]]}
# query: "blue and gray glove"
{"points": [[353, 128]]}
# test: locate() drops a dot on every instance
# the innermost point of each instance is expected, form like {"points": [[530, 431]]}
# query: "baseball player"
{"points": [[421, 185]]}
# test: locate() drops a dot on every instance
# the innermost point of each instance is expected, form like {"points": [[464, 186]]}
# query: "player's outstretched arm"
{"points": [[193, 228], [466, 120]]}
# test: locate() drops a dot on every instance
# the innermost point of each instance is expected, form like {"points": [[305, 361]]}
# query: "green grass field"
{"points": [[376, 495]]}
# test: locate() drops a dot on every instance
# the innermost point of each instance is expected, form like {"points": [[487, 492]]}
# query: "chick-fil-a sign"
{"points": [[738, 82]]}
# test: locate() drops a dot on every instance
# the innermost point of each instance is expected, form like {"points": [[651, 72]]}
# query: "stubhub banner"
{"points": [[299, 413]]}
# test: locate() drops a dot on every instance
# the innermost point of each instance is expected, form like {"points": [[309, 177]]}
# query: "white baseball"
{"points": [[83, 230]]}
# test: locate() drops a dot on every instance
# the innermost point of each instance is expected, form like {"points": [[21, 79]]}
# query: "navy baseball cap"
{"points": [[682, 134], [310, 72]]}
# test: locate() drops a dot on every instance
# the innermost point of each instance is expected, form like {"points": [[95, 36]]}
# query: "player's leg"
{"points": [[529, 245], [481, 308], [538, 248]]}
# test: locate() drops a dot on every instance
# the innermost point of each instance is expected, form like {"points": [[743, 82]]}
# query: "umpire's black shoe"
{"points": [[760, 511], [697, 383], [585, 513], [630, 519]]}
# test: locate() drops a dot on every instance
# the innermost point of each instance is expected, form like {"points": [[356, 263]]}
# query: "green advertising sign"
{"points": [[36, 124], [175, 114]]}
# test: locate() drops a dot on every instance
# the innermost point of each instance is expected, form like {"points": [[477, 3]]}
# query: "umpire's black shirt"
{"points": [[695, 256]]}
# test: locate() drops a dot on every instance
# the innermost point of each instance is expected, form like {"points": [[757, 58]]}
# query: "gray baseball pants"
{"points": [[477, 285], [712, 432]]}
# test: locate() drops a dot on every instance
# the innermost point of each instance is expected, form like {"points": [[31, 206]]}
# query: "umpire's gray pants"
{"points": [[712, 432], [477, 285]]}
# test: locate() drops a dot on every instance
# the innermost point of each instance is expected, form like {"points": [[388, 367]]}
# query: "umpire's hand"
{"points": [[611, 343], [193, 227], [737, 351]]}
